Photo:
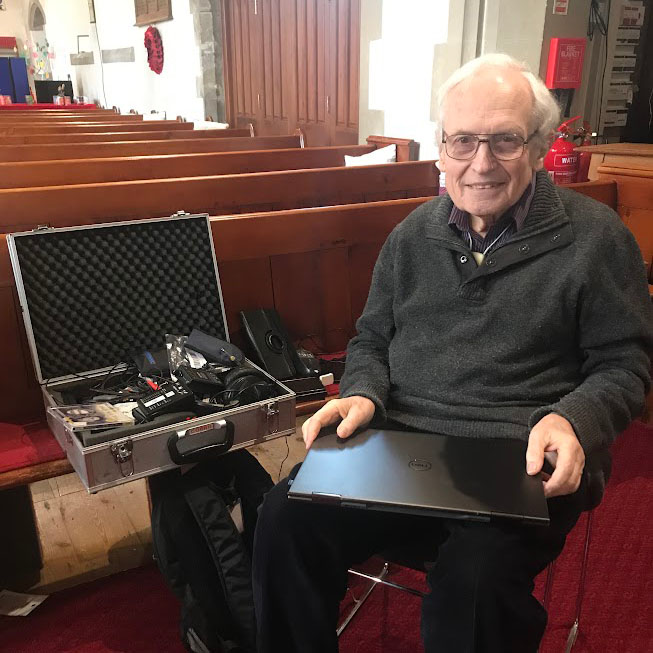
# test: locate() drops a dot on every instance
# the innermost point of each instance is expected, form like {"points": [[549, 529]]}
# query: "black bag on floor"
{"points": [[205, 560]]}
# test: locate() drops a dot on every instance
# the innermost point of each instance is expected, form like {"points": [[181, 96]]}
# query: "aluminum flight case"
{"points": [[91, 294]]}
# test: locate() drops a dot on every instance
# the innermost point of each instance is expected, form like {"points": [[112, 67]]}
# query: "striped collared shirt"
{"points": [[501, 231]]}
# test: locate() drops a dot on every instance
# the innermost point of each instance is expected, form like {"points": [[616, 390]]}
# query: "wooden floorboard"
{"points": [[87, 536]]}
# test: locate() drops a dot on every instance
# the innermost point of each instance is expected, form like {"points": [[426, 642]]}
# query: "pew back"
{"points": [[143, 148], [18, 129], [88, 171], [60, 206], [118, 136]]}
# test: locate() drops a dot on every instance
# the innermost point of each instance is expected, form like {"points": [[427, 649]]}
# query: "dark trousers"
{"points": [[481, 584]]}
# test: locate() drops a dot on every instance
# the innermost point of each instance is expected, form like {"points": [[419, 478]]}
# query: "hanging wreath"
{"points": [[154, 46]]}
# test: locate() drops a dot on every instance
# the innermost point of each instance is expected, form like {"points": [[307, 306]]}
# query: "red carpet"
{"points": [[134, 612]]}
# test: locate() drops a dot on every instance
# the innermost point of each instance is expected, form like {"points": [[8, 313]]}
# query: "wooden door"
{"points": [[294, 63], [344, 44]]}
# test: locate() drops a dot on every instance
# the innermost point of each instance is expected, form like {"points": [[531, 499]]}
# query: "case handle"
{"points": [[201, 442]]}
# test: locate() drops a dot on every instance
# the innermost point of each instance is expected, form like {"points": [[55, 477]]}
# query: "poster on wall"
{"points": [[560, 7]]}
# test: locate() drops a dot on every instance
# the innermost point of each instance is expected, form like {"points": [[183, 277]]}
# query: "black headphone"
{"points": [[247, 385]]}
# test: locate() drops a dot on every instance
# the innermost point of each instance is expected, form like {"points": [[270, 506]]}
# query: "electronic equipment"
{"points": [[200, 382], [214, 349], [422, 474], [272, 345], [247, 385], [152, 362], [169, 398]]}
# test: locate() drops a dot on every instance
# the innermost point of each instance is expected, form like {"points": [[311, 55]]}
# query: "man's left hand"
{"points": [[553, 437]]}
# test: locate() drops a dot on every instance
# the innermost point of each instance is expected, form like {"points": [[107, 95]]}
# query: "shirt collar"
{"points": [[518, 211]]}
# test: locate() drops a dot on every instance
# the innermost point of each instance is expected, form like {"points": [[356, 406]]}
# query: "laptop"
{"points": [[422, 474]]}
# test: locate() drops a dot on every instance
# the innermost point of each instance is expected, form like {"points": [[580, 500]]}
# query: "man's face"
{"points": [[494, 101]]}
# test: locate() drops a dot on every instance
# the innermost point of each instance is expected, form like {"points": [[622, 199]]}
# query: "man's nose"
{"points": [[484, 159]]}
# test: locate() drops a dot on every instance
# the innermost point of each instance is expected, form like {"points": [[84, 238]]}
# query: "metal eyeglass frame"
{"points": [[479, 140]]}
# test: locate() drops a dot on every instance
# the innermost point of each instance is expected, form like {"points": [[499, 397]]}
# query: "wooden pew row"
{"points": [[118, 136], [634, 202], [18, 129], [63, 110], [59, 206], [314, 266], [91, 116], [90, 171], [259, 257], [143, 148]]}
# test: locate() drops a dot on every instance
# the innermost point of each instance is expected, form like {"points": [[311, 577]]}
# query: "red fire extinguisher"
{"points": [[584, 158], [561, 160]]}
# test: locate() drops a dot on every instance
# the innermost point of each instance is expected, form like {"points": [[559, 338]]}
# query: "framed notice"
{"points": [[560, 7], [152, 11], [565, 65]]}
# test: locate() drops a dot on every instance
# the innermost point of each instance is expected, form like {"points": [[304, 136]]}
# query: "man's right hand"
{"points": [[354, 412]]}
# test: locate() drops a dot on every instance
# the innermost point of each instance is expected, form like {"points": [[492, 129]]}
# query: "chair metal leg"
{"points": [[573, 632], [359, 602], [550, 573], [374, 581]]}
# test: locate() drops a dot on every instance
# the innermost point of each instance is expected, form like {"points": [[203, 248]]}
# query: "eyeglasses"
{"points": [[503, 146]]}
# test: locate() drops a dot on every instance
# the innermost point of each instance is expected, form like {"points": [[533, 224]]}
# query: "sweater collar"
{"points": [[545, 212]]}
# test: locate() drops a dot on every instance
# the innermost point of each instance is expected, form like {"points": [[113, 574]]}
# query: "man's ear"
{"points": [[441, 164], [538, 164]]}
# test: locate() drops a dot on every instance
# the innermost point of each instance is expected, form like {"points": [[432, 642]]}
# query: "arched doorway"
{"points": [[38, 43]]}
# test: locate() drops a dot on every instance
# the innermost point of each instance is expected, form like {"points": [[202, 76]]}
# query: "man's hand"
{"points": [[354, 412], [553, 437]]}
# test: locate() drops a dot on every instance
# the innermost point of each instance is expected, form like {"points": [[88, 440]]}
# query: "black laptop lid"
{"points": [[422, 473]]}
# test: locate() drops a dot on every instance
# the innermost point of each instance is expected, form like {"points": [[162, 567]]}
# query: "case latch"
{"points": [[122, 454], [180, 213], [271, 413]]}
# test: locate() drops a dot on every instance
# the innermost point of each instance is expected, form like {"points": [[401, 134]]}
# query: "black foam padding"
{"points": [[97, 294]]}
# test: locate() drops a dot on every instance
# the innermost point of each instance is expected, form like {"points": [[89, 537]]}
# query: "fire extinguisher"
{"points": [[584, 158], [561, 160]]}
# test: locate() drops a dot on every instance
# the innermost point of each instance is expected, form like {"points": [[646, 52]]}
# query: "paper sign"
{"points": [[14, 604], [560, 7]]}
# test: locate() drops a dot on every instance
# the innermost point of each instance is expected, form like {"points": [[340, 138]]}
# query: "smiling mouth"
{"points": [[485, 186]]}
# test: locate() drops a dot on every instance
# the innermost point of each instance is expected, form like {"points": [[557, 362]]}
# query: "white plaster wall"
{"points": [[408, 49], [515, 27], [127, 85], [398, 42], [13, 21]]}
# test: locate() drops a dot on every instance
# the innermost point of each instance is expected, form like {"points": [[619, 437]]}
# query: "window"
{"points": [[152, 11]]}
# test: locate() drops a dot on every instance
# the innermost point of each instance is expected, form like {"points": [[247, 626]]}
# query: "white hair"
{"points": [[546, 112]]}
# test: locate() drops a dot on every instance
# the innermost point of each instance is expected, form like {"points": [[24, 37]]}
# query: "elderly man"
{"points": [[507, 308]]}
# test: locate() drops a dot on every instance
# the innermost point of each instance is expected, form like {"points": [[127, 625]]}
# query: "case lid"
{"points": [[92, 296]]}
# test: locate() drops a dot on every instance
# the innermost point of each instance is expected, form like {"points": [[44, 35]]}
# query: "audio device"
{"points": [[272, 345], [169, 398], [214, 349], [201, 382], [247, 385]]}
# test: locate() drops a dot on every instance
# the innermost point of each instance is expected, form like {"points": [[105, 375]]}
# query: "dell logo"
{"points": [[419, 465]]}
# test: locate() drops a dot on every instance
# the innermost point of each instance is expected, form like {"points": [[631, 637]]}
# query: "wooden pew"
{"points": [[25, 208], [634, 202], [118, 136], [143, 148], [314, 266], [89, 171], [58, 118], [18, 129]]}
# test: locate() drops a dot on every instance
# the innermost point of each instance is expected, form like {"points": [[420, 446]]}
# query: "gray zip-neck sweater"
{"points": [[558, 319]]}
